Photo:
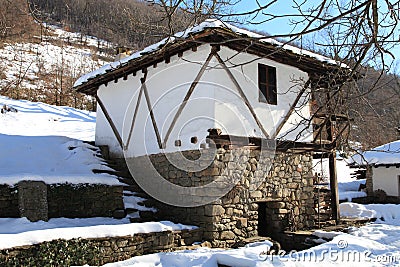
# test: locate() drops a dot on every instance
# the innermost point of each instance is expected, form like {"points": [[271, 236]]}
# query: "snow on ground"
{"points": [[56, 134], [375, 244], [384, 213], [39, 119], [74, 37], [134, 202], [44, 142], [20, 232], [23, 63], [348, 187]]}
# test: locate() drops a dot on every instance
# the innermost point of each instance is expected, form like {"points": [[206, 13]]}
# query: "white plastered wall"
{"points": [[386, 179], [215, 103]]}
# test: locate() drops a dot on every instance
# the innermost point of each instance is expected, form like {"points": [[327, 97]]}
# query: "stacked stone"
{"points": [[104, 250], [8, 201], [38, 201], [283, 181], [84, 200]]}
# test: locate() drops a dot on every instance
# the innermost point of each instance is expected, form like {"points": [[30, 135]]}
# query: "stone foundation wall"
{"points": [[96, 251], [8, 201], [84, 200], [60, 200], [283, 199]]}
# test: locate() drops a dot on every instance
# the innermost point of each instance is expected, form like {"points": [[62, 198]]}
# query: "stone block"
{"points": [[119, 214], [214, 210], [32, 200], [282, 211], [227, 235], [229, 211], [241, 223], [256, 194], [237, 212]]}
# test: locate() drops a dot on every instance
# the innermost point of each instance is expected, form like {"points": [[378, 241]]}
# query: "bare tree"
{"points": [[358, 33]]}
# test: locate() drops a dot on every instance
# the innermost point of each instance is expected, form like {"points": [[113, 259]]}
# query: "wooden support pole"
{"points": [[332, 172], [110, 121], [187, 96], [334, 187], [242, 95], [292, 108]]}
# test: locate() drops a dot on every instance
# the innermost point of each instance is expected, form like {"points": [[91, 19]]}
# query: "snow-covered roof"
{"points": [[207, 24], [387, 154]]}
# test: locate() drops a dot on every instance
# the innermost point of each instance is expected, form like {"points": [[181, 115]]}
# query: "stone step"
{"points": [[131, 188]]}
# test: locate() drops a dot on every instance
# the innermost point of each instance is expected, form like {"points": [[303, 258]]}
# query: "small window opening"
{"points": [[178, 143], [193, 140], [267, 84]]}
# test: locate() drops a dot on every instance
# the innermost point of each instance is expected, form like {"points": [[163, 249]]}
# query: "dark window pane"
{"points": [[267, 84], [262, 73]]}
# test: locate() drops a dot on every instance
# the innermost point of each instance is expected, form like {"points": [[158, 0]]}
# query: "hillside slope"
{"points": [[44, 67], [45, 143]]}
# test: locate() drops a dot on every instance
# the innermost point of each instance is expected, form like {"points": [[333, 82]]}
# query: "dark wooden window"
{"points": [[267, 84]]}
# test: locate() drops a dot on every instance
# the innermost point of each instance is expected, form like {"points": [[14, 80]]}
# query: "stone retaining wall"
{"points": [[282, 201], [84, 200], [97, 251], [61, 200], [8, 201]]}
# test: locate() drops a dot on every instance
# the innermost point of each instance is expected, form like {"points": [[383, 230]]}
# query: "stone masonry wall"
{"points": [[63, 200], [283, 199], [96, 251], [84, 200], [8, 201]]}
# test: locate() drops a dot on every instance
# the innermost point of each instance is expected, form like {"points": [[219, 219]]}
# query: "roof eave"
{"points": [[213, 36]]}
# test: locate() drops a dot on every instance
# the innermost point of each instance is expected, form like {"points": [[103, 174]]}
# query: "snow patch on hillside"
{"points": [[33, 65], [44, 142]]}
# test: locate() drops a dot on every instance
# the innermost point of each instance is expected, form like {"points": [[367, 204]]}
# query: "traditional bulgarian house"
{"points": [[216, 124], [381, 167]]}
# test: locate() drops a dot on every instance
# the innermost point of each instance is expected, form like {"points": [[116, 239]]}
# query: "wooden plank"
{"points": [[242, 94], [333, 173], [134, 117], [110, 121], [333, 186], [153, 120], [293, 106], [187, 96]]}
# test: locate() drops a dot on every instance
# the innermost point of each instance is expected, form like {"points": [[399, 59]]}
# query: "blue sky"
{"points": [[276, 26], [283, 26]]}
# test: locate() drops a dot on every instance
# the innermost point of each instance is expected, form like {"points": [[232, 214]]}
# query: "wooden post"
{"points": [[334, 187], [332, 172]]}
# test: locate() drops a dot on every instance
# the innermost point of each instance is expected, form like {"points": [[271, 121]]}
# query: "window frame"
{"points": [[267, 84]]}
